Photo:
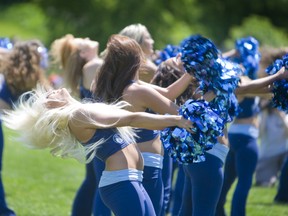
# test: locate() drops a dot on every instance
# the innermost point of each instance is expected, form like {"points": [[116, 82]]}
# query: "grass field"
{"points": [[38, 184]]}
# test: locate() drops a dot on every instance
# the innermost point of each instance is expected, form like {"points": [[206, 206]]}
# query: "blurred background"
{"points": [[168, 21]]}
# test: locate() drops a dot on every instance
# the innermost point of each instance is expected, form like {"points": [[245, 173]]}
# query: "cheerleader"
{"points": [[121, 82], [243, 133], [79, 60], [22, 67], [61, 122], [142, 36]]}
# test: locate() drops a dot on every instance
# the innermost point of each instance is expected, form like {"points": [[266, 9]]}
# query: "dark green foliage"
{"points": [[168, 21]]}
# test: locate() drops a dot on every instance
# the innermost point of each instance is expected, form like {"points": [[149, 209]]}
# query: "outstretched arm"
{"points": [[105, 117], [253, 86]]}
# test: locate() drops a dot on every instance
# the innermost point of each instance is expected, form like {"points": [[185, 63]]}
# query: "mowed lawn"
{"points": [[38, 184]]}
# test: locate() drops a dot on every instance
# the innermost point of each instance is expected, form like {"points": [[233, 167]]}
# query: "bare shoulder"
{"points": [[137, 95], [79, 126], [139, 91]]}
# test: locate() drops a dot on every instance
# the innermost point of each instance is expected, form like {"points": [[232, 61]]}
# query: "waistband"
{"points": [[112, 177], [220, 151], [153, 160], [246, 129]]}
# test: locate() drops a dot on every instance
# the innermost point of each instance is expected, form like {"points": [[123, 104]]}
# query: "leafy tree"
{"points": [[262, 29], [23, 21]]}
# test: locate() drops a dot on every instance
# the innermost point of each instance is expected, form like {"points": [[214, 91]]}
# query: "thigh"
{"points": [[127, 198]]}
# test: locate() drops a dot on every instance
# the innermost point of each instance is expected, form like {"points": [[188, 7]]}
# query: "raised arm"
{"points": [[175, 89], [252, 86]]}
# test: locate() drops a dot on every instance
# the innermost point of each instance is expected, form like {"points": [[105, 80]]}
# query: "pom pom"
{"points": [[168, 52], [227, 79], [280, 87], [198, 56], [227, 106], [203, 60], [6, 43], [249, 55], [186, 147]]}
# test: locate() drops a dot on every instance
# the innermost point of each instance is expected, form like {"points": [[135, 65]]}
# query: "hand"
{"points": [[186, 124], [282, 73]]}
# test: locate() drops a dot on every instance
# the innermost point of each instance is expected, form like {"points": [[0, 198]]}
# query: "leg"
{"points": [[4, 210], [127, 198], [282, 192], [82, 205], [167, 181], [205, 193], [99, 208], [246, 159], [229, 178], [185, 208], [152, 182], [179, 185]]}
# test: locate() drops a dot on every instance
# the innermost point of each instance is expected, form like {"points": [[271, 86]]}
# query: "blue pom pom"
{"points": [[280, 87], [6, 43], [202, 59], [250, 56], [186, 147], [198, 55], [168, 52]]}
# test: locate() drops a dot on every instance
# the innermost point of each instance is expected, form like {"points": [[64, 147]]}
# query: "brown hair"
{"points": [[121, 63], [166, 75], [270, 54], [22, 69]]}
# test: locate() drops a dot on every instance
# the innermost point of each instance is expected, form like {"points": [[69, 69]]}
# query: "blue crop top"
{"points": [[113, 142], [85, 93], [145, 135], [5, 93], [249, 107]]}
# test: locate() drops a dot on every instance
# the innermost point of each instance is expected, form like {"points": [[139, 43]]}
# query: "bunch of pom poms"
{"points": [[168, 52], [186, 147], [280, 87], [202, 60], [249, 55], [198, 56]]}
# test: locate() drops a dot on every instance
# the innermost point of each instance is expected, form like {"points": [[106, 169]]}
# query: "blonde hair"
{"points": [[40, 127], [135, 31], [67, 55]]}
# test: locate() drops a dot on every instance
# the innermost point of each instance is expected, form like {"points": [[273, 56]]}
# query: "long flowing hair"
{"points": [[121, 64], [39, 127], [67, 56]]}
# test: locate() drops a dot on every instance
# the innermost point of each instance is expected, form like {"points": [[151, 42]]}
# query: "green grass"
{"points": [[260, 202], [38, 184]]}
